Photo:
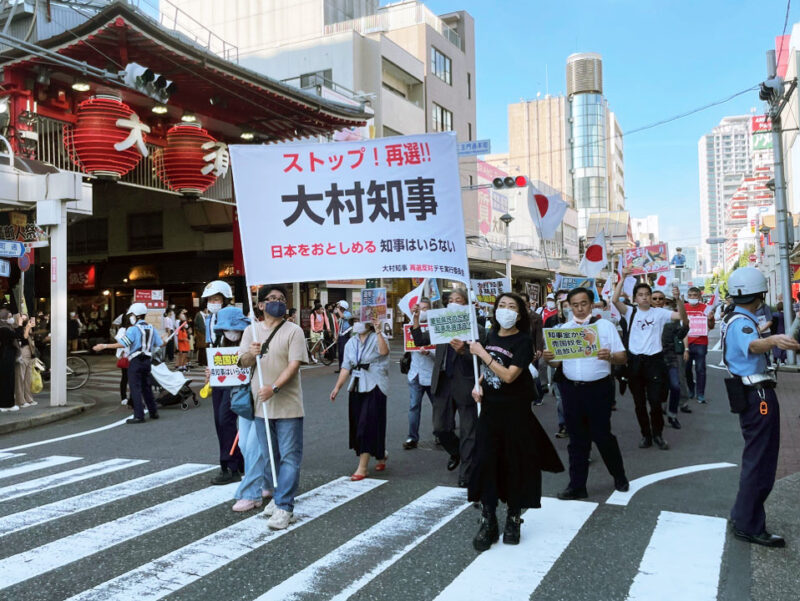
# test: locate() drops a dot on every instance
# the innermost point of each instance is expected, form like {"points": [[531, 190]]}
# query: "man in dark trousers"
{"points": [[452, 382], [586, 394], [751, 392]]}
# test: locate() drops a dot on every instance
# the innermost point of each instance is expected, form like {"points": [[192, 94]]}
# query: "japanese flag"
{"points": [[410, 300], [607, 292], [662, 285], [713, 301], [595, 258], [546, 211]]}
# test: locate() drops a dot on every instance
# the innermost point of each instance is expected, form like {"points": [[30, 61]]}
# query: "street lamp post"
{"points": [[507, 219]]}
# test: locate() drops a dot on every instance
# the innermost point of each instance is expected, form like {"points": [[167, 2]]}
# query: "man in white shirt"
{"points": [[419, 383], [587, 392], [647, 370]]}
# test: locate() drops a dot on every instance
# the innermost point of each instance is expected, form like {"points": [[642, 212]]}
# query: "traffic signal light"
{"points": [[519, 181], [771, 90]]}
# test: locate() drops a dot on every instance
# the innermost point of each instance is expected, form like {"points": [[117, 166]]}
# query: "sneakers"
{"points": [[488, 532], [410, 443], [701, 399], [661, 443], [511, 531], [673, 421], [14, 408], [562, 432], [269, 510], [123, 402], [646, 442], [281, 519], [26, 405], [245, 505]]}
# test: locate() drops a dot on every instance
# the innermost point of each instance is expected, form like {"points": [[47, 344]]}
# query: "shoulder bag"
{"points": [[242, 403]]}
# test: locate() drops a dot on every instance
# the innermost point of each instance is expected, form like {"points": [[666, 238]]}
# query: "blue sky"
{"points": [[659, 59]]}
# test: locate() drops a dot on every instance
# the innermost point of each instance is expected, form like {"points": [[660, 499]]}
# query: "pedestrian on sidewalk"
{"points": [[316, 332], [200, 334], [751, 392], [24, 368], [229, 324], [587, 390], [9, 351], [647, 372], [281, 397], [420, 373], [344, 323], [366, 357], [512, 448]]}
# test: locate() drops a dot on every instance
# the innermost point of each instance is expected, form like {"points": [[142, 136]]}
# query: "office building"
{"points": [[645, 230]]}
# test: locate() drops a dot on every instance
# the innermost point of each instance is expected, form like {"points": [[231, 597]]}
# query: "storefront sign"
{"points": [[487, 291], [647, 259], [566, 282], [143, 272], [31, 234], [11, 248], [389, 207], [408, 340], [5, 268], [226, 270], [453, 322], [572, 343], [222, 362], [81, 277], [359, 284], [373, 304], [154, 299], [698, 325]]}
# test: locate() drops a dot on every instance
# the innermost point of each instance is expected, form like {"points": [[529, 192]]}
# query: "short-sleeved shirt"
{"points": [[592, 368], [739, 333], [288, 344], [516, 349], [132, 339], [365, 352], [646, 329]]}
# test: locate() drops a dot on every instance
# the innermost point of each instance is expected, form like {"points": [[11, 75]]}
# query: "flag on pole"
{"points": [[713, 301], [546, 211], [661, 284], [595, 258], [410, 300]]}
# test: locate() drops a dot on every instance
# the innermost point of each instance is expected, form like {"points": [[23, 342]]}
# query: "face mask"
{"points": [[132, 319], [551, 305], [10, 320], [506, 318], [233, 335], [359, 328], [214, 307], [423, 316], [693, 301], [275, 308]]}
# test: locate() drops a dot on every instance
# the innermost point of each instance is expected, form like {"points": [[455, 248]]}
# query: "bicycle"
{"points": [[319, 353], [78, 372]]}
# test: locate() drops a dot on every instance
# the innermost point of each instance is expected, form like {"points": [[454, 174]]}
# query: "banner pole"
{"points": [[473, 323]]}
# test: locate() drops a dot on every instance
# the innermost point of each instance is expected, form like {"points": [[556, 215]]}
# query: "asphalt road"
{"points": [[404, 535]]}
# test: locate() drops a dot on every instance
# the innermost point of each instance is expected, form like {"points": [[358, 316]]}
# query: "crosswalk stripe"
{"points": [[183, 566], [58, 553], [36, 464], [69, 477], [516, 570], [395, 535], [90, 500], [682, 559], [10, 455]]}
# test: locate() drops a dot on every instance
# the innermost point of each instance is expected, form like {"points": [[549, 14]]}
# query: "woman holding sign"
{"points": [[366, 357], [512, 448]]}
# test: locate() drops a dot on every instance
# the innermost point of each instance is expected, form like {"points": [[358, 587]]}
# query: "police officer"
{"points": [[751, 392], [139, 340], [217, 294]]}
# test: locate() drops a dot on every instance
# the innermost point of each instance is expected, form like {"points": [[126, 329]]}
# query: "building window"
{"points": [[317, 78], [87, 237], [469, 86], [146, 231], [469, 131], [442, 118], [441, 66]]}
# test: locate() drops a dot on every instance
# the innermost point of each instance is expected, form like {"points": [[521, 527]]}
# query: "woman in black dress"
{"points": [[9, 351], [512, 447]]}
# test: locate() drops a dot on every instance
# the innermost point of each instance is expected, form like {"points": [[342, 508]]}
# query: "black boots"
{"points": [[511, 533], [488, 533]]}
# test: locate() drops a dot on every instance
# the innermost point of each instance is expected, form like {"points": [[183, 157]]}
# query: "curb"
{"points": [[59, 413]]}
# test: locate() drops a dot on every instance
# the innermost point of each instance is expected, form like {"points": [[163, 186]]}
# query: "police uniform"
{"points": [[759, 420], [140, 340]]}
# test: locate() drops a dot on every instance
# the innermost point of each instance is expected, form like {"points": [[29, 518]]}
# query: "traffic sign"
{"points": [[10, 248], [474, 148], [753, 258]]}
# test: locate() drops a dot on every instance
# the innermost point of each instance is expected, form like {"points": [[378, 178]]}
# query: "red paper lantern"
{"points": [[91, 141], [180, 165]]}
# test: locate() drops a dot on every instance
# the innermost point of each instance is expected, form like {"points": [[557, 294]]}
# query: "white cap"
{"points": [[138, 309], [343, 304], [217, 287], [551, 296]]}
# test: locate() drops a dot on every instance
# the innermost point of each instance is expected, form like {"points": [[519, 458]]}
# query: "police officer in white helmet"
{"points": [[216, 295], [140, 340], [751, 392]]}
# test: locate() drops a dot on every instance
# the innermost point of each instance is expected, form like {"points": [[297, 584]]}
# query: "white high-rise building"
{"points": [[724, 158], [645, 230]]}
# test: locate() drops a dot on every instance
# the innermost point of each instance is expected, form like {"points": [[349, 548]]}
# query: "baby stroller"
{"points": [[172, 386]]}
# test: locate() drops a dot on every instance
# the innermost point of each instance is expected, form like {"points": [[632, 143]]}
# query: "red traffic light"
{"points": [[521, 181], [510, 182]]}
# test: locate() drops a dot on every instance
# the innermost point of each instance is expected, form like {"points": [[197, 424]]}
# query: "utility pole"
{"points": [[772, 91]]}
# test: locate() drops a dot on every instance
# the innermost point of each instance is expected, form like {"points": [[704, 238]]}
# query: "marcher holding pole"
{"points": [[279, 397]]}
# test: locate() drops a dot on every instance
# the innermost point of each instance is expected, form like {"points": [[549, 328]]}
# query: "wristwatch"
{"points": [[275, 389]]}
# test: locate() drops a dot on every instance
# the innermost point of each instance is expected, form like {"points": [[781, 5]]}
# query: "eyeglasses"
{"points": [[271, 299]]}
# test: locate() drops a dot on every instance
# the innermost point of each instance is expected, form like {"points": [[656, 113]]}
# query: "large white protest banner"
{"points": [[389, 207]]}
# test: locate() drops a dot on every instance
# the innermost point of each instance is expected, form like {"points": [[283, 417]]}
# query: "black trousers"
{"points": [[225, 425], [587, 413], [448, 401], [761, 430], [139, 381], [123, 384], [647, 375]]}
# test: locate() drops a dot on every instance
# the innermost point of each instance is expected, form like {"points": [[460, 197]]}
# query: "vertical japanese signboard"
{"points": [[375, 208]]}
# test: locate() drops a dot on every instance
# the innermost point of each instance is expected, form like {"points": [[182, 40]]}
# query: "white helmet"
{"points": [[138, 309], [343, 305], [217, 287], [745, 283]]}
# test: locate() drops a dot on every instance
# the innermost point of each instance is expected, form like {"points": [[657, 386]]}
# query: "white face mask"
{"points": [[423, 316], [214, 307], [359, 328], [233, 335], [506, 318], [132, 319], [551, 305], [692, 301]]}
